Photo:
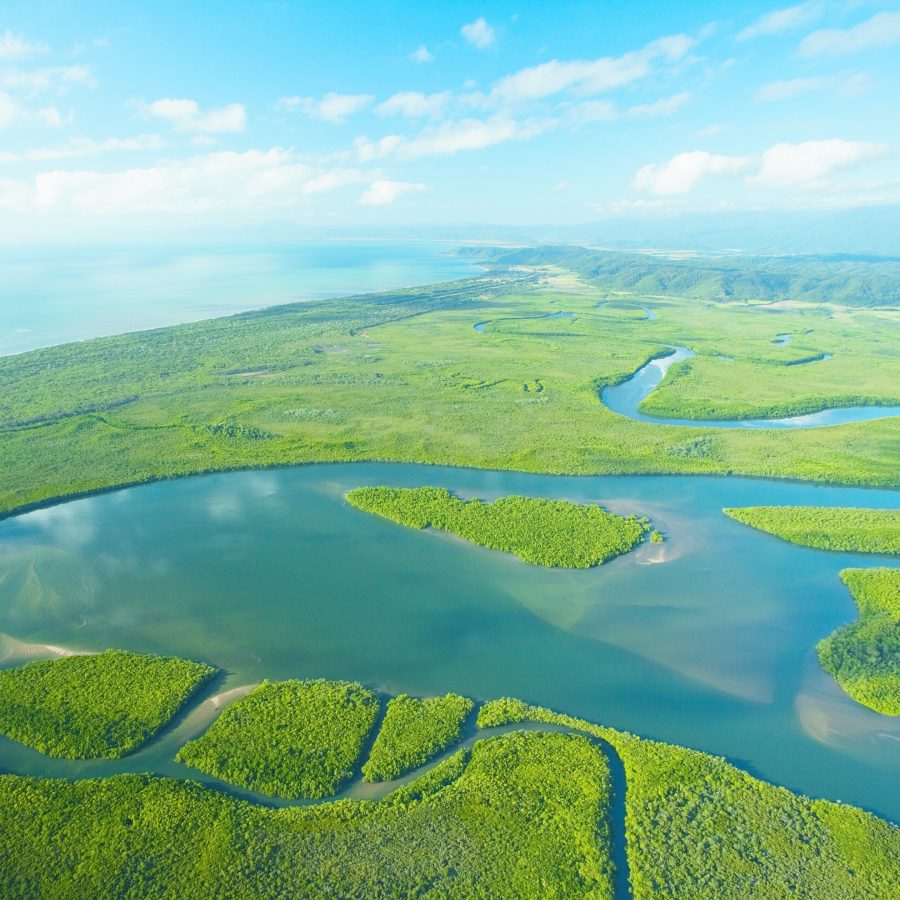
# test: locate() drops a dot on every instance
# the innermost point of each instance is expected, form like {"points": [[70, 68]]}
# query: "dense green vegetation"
{"points": [[522, 815], [288, 739], [96, 705], [404, 376], [815, 279], [826, 527], [413, 732], [699, 827], [864, 657], [543, 532]]}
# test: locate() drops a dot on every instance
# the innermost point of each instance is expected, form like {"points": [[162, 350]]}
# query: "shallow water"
{"points": [[50, 297], [705, 640], [625, 398]]}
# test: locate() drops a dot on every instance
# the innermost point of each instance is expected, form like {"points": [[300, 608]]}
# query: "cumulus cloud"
{"points": [[781, 20], [785, 165], [882, 30], [225, 181], [186, 116], [478, 33], [330, 108], [421, 55], [683, 172], [781, 165], [413, 104], [13, 114], [383, 192], [15, 47], [587, 77]]}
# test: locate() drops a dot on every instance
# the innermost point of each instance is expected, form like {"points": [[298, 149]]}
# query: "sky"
{"points": [[158, 117]]}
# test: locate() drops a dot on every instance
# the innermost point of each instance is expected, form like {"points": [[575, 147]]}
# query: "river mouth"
{"points": [[260, 573], [626, 398]]}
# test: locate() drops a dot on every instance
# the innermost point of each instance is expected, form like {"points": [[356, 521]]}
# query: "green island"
{"points": [[539, 810], [288, 739], [826, 528], [553, 533], [864, 657], [95, 705], [414, 730]]}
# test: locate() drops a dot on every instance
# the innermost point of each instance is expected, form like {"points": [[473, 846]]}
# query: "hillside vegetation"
{"points": [[846, 280], [97, 705], [826, 527], [864, 657], [543, 532], [288, 739]]}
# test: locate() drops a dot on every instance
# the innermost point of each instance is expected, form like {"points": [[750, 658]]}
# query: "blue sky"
{"points": [[162, 115]]}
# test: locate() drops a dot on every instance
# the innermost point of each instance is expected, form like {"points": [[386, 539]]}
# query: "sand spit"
{"points": [[14, 651]]}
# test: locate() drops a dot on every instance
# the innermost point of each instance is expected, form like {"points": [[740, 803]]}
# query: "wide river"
{"points": [[707, 640]]}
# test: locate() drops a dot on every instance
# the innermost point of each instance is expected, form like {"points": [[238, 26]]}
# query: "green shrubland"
{"points": [[827, 528], [96, 705], [697, 826], [543, 532], [413, 732], [288, 739], [521, 815], [864, 657]]}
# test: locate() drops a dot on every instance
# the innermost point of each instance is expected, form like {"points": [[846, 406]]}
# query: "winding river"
{"points": [[707, 640], [625, 399]]}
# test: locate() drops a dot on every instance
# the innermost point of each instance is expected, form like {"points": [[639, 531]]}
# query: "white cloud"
{"points": [[330, 108], [781, 165], [587, 77], [380, 193], [59, 79], [81, 147], [453, 137], [881, 30], [846, 84], [254, 180], [683, 172], [666, 106], [186, 115], [785, 165], [478, 33], [711, 130], [414, 104], [781, 20], [421, 55], [14, 47], [12, 114]]}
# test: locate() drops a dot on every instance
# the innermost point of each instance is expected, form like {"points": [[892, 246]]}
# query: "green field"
{"points": [[97, 705], [404, 376], [553, 533], [535, 812], [864, 657], [288, 739], [827, 528], [413, 732]]}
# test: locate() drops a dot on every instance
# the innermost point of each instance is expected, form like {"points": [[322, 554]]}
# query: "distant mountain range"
{"points": [[870, 281]]}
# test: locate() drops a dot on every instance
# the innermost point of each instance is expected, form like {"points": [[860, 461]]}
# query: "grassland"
{"points": [[864, 657], [413, 732], [99, 705], [522, 815], [552, 533], [405, 377], [826, 528], [288, 739]]}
